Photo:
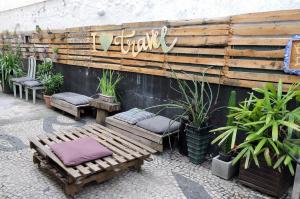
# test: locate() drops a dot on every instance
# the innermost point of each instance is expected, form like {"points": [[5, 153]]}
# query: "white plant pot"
{"points": [[107, 98], [223, 169]]}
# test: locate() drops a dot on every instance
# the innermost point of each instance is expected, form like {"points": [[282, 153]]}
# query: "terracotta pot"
{"points": [[47, 99]]}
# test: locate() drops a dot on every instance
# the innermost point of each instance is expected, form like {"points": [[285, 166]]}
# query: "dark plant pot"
{"points": [[225, 156], [47, 99], [265, 179], [197, 142], [182, 145]]}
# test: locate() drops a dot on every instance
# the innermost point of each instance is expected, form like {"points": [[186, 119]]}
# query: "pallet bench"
{"points": [[153, 140], [72, 109], [127, 154]]}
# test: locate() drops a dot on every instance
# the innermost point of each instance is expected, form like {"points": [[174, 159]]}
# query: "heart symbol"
{"points": [[106, 40]]}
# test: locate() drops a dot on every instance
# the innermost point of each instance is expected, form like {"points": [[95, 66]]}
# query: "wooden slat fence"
{"points": [[244, 50]]}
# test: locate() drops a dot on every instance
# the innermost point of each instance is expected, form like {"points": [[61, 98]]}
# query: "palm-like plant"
{"points": [[267, 121], [10, 63]]}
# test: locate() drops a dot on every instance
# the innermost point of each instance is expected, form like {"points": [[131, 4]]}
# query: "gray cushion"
{"points": [[134, 115], [21, 79], [159, 124], [32, 83], [72, 98]]}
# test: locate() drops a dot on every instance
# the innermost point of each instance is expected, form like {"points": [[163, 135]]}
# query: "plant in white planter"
{"points": [[222, 164], [107, 86]]}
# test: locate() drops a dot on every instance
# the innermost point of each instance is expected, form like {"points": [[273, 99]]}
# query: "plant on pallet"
{"points": [[268, 122], [10, 63], [222, 164], [107, 86], [51, 81]]}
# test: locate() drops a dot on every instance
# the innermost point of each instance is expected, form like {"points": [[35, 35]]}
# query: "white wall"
{"points": [[56, 14]]}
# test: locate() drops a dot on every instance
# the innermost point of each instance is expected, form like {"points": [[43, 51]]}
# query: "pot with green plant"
{"points": [[222, 164], [266, 120], [194, 107], [107, 86], [10, 63], [50, 80]]}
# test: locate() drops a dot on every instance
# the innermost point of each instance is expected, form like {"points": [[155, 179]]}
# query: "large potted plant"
{"points": [[267, 121], [107, 86], [194, 105], [222, 164], [50, 80], [10, 63]]}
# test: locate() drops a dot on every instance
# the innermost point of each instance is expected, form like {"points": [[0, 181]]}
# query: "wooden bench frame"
{"points": [[144, 136], [68, 107], [127, 154]]}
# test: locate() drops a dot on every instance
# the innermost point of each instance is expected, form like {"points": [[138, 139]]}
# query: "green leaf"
{"points": [[221, 129], [287, 160], [279, 89], [274, 146], [290, 125], [233, 138], [247, 159], [275, 131], [267, 157], [262, 129], [278, 162], [291, 168], [238, 157], [259, 146]]}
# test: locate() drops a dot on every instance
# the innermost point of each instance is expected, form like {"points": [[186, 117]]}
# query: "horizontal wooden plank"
{"points": [[268, 77], [222, 29], [258, 41], [256, 53], [259, 64], [281, 15], [189, 22], [266, 29]]}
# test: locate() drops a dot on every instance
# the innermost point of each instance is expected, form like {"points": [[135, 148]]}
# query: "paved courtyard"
{"points": [[169, 175]]}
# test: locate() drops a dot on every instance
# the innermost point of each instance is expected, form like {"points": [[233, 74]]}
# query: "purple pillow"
{"points": [[75, 152]]}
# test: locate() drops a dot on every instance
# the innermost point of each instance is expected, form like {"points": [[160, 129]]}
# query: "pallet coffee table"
{"points": [[127, 154]]}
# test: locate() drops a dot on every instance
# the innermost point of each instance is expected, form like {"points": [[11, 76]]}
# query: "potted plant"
{"points": [[55, 54], [222, 164], [52, 83], [266, 120], [10, 63], [194, 106], [107, 86], [50, 80]]}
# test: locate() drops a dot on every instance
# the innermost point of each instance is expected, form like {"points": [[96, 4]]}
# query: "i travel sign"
{"points": [[152, 40]]}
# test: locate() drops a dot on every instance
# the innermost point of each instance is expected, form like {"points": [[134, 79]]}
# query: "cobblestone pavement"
{"points": [[169, 175]]}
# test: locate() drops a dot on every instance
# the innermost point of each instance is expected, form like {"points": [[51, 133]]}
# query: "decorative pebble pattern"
{"points": [[169, 175]]}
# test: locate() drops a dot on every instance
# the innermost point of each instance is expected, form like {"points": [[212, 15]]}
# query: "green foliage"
{"points": [[52, 83], [10, 63], [226, 146], [55, 50], [267, 122], [44, 69], [108, 83], [195, 103]]}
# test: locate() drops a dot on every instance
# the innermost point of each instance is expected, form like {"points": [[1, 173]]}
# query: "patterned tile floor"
{"points": [[169, 175]]}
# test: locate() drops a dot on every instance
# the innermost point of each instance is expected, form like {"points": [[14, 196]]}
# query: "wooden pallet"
{"points": [[67, 107], [127, 154], [153, 140]]}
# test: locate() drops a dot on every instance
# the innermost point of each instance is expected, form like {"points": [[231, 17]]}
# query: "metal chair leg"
{"points": [[26, 93], [15, 90], [33, 95], [21, 92]]}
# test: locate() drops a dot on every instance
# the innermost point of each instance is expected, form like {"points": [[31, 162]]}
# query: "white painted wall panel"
{"points": [[56, 14]]}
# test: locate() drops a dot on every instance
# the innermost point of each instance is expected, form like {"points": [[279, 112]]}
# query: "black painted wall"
{"points": [[142, 91]]}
